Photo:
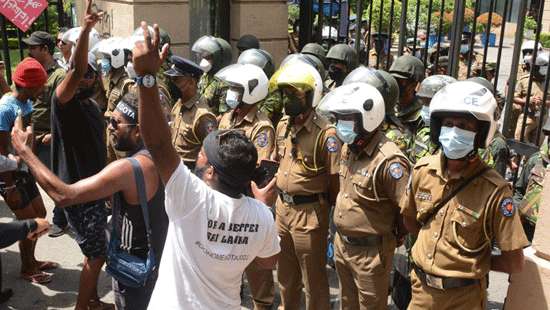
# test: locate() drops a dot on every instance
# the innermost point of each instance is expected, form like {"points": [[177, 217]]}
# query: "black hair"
{"points": [[237, 153]]}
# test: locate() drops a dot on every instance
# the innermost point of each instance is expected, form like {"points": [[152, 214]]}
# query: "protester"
{"points": [[65, 47], [78, 152], [41, 45], [115, 179], [215, 231], [19, 190]]}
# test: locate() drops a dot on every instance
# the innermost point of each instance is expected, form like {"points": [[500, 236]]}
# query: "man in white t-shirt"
{"points": [[215, 231]]}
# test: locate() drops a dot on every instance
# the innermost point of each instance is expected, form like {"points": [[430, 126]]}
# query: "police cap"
{"points": [[183, 67]]}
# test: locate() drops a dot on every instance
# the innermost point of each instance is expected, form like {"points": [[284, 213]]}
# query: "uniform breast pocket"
{"points": [[363, 187], [467, 230], [281, 147]]}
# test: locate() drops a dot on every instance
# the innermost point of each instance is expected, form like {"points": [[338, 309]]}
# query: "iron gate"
{"points": [[8, 32]]}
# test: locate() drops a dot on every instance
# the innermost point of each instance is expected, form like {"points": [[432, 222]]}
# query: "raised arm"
{"points": [[111, 179], [153, 125], [67, 89]]}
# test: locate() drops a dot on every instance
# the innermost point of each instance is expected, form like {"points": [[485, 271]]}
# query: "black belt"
{"points": [[442, 283], [298, 199], [366, 241]]}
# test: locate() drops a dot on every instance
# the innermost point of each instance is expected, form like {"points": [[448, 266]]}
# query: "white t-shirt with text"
{"points": [[211, 239]]}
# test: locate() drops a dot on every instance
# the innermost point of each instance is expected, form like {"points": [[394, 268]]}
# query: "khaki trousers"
{"points": [[262, 286], [364, 274], [303, 230], [471, 297], [530, 129]]}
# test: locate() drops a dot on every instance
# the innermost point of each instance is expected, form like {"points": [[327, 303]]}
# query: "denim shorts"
{"points": [[89, 222]]}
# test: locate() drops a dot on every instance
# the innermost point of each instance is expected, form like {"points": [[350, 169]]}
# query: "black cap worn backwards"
{"points": [[182, 67], [40, 38]]}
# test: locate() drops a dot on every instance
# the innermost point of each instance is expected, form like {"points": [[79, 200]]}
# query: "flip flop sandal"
{"points": [[42, 266], [96, 304], [38, 278]]}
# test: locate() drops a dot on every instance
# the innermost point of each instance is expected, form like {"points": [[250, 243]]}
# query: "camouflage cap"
{"points": [[408, 67]]}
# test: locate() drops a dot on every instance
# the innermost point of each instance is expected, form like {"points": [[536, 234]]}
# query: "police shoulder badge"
{"points": [[396, 170], [507, 207], [261, 139], [332, 144]]}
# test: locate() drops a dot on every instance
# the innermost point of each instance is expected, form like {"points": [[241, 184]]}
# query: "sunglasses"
{"points": [[114, 123], [61, 41]]}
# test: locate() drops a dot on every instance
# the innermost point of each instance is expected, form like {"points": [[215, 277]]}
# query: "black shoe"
{"points": [[5, 295], [56, 231]]}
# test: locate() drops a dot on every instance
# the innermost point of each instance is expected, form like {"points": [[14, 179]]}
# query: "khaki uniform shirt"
{"points": [[453, 242], [42, 105], [306, 164], [371, 185], [118, 82], [257, 127], [191, 123], [463, 65], [383, 64], [537, 89]]}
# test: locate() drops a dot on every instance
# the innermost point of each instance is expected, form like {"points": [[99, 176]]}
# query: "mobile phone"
{"points": [[265, 172]]}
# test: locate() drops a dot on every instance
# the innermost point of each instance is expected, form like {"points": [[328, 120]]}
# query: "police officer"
{"points": [[191, 120], [248, 85], [422, 145], [246, 42], [381, 48], [459, 207], [214, 54], [373, 176], [272, 105], [409, 71], [540, 68], [307, 150], [464, 57], [528, 188], [342, 59]]}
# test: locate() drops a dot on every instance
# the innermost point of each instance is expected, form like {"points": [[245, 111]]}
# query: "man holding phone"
{"points": [[242, 99]]}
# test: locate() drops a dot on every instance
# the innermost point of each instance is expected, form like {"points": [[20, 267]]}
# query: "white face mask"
{"points": [[130, 70], [205, 65], [232, 98], [425, 114]]}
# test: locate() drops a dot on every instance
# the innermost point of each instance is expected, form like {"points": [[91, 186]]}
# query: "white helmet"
{"points": [[250, 78], [113, 48], [73, 34], [356, 98], [542, 59], [467, 98], [530, 45], [303, 77]]}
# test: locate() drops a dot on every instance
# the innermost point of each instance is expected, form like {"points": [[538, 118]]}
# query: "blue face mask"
{"points": [[105, 66], [232, 98], [464, 48], [425, 114], [344, 130], [456, 142]]}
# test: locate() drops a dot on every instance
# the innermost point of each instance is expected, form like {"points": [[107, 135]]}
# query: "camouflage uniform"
{"points": [[383, 59], [403, 130], [463, 65], [422, 145], [272, 106], [210, 89]]}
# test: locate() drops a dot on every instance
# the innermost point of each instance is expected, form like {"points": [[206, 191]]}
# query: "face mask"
{"points": [[464, 48], [293, 106], [336, 74], [344, 130], [232, 98], [105, 66], [205, 65], [456, 142], [425, 114], [543, 70], [130, 70]]}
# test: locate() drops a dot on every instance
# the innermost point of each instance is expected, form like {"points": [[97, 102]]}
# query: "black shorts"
{"points": [[89, 222], [26, 186]]}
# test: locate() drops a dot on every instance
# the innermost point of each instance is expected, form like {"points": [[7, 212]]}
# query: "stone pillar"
{"points": [[266, 19], [546, 17]]}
